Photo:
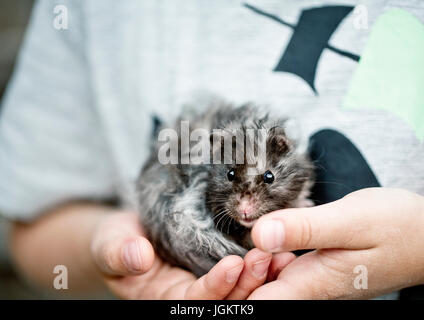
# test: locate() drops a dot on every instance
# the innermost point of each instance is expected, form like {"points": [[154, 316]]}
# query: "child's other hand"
{"points": [[131, 269], [379, 229]]}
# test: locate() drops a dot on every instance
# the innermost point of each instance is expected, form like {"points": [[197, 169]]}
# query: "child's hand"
{"points": [[379, 229], [132, 271]]}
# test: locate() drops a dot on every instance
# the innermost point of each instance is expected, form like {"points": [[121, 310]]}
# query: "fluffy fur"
{"points": [[189, 211]]}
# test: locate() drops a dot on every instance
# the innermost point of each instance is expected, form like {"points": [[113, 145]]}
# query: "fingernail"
{"points": [[132, 257], [272, 235], [232, 275], [260, 268]]}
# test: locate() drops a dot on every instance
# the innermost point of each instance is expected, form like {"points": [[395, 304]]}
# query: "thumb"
{"points": [[118, 247], [342, 224], [125, 256]]}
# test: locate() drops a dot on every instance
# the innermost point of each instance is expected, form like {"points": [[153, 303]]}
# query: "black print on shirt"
{"points": [[310, 38]]}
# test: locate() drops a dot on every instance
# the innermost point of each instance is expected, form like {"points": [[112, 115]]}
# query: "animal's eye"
{"points": [[231, 175], [268, 177]]}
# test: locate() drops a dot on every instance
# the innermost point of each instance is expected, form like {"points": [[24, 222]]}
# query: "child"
{"points": [[76, 125]]}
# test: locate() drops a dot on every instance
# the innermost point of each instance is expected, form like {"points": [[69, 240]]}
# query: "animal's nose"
{"points": [[246, 206]]}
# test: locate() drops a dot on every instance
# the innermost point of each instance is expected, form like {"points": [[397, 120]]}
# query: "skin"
{"points": [[381, 229], [378, 228], [102, 247]]}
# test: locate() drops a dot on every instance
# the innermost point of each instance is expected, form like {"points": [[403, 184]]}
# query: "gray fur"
{"points": [[179, 203]]}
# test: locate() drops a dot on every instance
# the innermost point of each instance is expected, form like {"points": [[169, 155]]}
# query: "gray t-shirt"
{"points": [[76, 119]]}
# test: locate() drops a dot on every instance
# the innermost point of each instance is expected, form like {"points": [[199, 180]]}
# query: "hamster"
{"points": [[197, 213]]}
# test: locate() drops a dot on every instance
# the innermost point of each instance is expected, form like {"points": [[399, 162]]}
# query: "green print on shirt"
{"points": [[390, 74]]}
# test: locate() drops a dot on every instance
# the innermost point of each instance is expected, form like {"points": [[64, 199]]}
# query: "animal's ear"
{"points": [[277, 140]]}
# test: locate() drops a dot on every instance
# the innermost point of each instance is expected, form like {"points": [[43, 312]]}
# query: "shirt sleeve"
{"points": [[52, 148]]}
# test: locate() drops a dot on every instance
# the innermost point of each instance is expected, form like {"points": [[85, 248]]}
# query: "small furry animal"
{"points": [[196, 214]]}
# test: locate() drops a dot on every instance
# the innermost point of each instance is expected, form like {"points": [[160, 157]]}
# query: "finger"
{"points": [[277, 290], [278, 263], [339, 224], [118, 247], [256, 263], [300, 280], [125, 256], [316, 275], [218, 282]]}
